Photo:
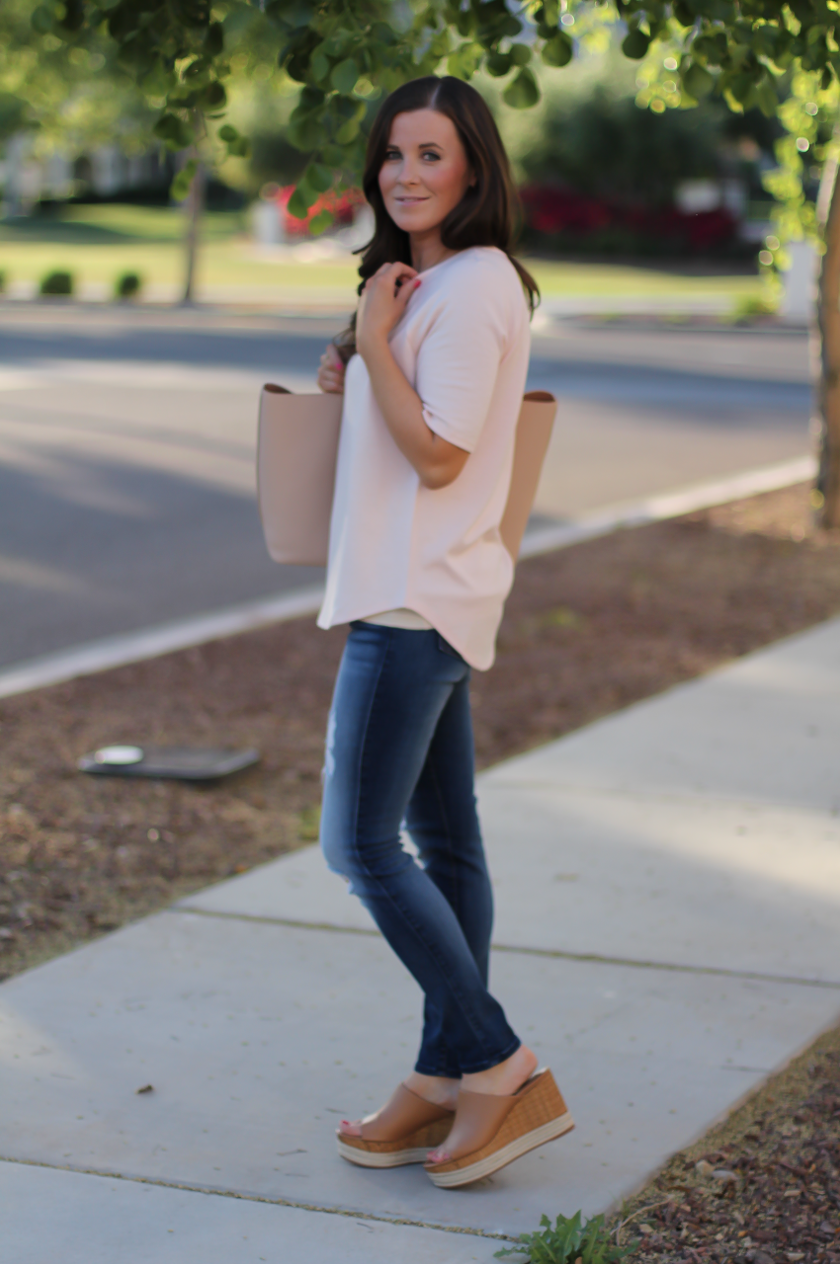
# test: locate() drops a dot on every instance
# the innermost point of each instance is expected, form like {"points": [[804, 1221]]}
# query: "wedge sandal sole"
{"points": [[415, 1127], [501, 1157], [396, 1158]]}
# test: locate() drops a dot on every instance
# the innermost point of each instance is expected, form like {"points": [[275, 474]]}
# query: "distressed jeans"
{"points": [[400, 750]]}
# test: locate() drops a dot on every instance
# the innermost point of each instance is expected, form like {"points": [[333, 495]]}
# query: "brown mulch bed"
{"points": [[587, 630], [762, 1188]]}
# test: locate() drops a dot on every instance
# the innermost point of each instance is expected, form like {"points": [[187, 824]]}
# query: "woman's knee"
{"points": [[336, 850]]}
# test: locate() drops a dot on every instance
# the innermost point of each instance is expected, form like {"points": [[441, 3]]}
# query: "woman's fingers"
{"points": [[405, 292], [331, 372], [393, 272]]}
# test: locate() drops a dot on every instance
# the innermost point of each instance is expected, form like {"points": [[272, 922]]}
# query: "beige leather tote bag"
{"points": [[296, 456]]}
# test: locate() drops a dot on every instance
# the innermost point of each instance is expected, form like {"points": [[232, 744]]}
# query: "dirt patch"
{"points": [[763, 1188], [587, 630]]}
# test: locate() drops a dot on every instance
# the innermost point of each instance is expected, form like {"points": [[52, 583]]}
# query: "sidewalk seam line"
{"points": [[210, 1190], [551, 953]]}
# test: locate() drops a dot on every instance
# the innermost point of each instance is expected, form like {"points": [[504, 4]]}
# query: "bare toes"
{"points": [[349, 1129]]}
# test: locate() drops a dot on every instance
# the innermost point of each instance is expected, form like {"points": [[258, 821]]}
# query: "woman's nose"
{"points": [[409, 174]]}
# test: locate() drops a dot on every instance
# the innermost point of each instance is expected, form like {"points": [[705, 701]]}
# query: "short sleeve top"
{"points": [[463, 343]]}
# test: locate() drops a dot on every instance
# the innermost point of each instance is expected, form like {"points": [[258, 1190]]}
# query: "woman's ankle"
{"points": [[434, 1088], [506, 1077]]}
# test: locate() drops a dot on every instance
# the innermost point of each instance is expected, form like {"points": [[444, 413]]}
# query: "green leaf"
{"points": [[696, 79], [173, 131], [320, 65], [465, 23], [180, 186], [348, 114], [306, 133], [498, 64], [297, 205], [523, 92], [320, 222], [558, 50], [347, 132], [42, 20], [766, 98], [228, 133], [521, 54], [311, 98], [465, 60], [345, 76], [214, 40], [74, 16], [381, 33], [214, 96], [635, 44], [318, 177]]}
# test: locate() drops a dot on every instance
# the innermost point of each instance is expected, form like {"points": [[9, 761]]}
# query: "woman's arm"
{"points": [[437, 462]]}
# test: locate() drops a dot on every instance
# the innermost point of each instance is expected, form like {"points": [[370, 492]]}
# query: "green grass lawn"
{"points": [[98, 243]]}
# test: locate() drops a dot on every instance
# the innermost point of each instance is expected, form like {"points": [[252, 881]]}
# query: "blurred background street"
{"points": [[127, 442]]}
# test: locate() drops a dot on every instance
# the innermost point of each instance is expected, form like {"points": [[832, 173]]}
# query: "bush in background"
{"points": [[128, 285], [563, 220], [2, 282], [602, 175], [342, 206], [55, 284]]}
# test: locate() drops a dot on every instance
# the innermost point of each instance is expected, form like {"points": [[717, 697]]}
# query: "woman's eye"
{"points": [[433, 156], [391, 154]]}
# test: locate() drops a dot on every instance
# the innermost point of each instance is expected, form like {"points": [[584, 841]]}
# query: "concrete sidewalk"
{"points": [[668, 889]]}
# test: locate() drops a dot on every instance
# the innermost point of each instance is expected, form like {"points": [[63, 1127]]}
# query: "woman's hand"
{"points": [[331, 372], [382, 304]]}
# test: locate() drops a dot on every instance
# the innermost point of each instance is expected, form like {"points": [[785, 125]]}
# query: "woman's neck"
{"points": [[427, 250]]}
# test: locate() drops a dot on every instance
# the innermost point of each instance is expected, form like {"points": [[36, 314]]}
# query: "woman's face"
{"points": [[425, 173]]}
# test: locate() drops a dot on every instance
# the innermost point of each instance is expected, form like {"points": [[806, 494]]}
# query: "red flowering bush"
{"points": [[342, 206], [563, 219]]}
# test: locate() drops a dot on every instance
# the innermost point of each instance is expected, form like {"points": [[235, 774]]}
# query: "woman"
{"points": [[435, 369]]}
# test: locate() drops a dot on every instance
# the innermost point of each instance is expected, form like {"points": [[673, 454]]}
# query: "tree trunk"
{"points": [[827, 492], [194, 207]]}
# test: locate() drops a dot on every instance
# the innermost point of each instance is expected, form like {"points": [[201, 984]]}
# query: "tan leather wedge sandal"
{"points": [[497, 1130], [402, 1131]]}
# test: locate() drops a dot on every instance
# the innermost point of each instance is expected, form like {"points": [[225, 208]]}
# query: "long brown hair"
{"points": [[487, 215]]}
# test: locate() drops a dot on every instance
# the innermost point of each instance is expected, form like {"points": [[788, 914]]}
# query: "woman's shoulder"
{"points": [[487, 261], [486, 273]]}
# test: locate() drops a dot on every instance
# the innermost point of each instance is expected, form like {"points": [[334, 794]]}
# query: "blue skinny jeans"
{"points": [[400, 750]]}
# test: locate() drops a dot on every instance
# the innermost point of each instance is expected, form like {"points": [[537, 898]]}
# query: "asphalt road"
{"points": [[127, 448]]}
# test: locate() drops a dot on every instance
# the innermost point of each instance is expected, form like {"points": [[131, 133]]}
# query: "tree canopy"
{"points": [[76, 97], [345, 53]]}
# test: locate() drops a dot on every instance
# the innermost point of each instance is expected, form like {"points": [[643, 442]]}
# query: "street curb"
{"points": [[768, 478], [137, 647]]}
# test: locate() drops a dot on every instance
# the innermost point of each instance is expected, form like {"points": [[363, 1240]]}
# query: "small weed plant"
{"points": [[570, 1241]]}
